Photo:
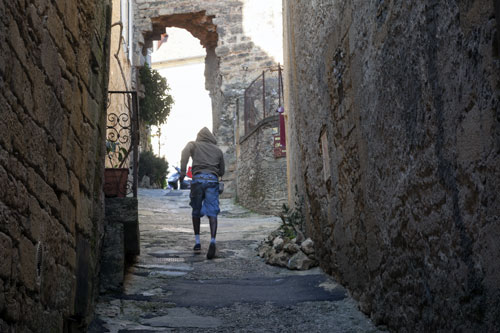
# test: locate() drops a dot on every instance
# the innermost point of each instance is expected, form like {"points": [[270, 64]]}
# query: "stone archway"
{"points": [[232, 60], [201, 26]]}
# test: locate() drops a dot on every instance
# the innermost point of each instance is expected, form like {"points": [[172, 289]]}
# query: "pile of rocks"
{"points": [[296, 253]]}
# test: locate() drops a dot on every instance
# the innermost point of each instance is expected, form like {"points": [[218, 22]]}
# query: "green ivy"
{"points": [[157, 102]]}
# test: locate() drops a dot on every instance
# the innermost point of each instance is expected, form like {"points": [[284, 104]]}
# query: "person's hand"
{"points": [[181, 179]]}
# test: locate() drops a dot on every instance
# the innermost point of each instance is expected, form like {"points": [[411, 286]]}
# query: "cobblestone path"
{"points": [[170, 289]]}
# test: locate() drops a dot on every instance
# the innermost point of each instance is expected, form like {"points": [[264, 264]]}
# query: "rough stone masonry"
{"points": [[261, 176], [53, 81], [394, 143]]}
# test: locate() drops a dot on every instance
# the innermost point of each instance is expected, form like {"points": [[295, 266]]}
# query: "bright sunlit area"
{"points": [[181, 60], [261, 24]]}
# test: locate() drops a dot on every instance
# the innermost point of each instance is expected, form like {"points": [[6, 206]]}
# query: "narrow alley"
{"points": [[171, 289], [372, 127]]}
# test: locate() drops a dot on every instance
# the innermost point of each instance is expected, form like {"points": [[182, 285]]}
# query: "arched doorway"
{"points": [[180, 58]]}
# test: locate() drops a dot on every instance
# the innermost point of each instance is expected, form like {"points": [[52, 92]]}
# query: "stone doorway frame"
{"points": [[201, 26]]}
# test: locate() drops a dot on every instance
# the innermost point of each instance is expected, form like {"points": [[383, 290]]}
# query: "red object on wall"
{"points": [[279, 149], [282, 130], [279, 143], [115, 182]]}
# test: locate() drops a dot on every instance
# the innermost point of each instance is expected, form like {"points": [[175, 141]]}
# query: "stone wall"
{"points": [[234, 35], [394, 142], [53, 80], [261, 177]]}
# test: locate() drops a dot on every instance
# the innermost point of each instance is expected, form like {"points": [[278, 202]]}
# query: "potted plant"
{"points": [[115, 175]]}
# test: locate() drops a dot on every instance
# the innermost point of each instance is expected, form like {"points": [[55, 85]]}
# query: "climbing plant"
{"points": [[293, 218], [156, 104]]}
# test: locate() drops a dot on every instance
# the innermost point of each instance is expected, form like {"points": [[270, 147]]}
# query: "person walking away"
{"points": [[207, 168]]}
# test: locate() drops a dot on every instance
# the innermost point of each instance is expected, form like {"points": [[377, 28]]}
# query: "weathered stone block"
{"points": [[76, 117], [242, 47], [74, 186], [5, 256], [67, 97], [42, 6], [2, 10], [72, 152], [36, 218], [55, 27], [300, 261], [17, 139], [21, 86], [16, 41], [50, 59], [4, 154], [291, 248], [2, 297], [61, 6], [278, 244], [49, 279], [36, 148], [14, 192], [27, 263], [125, 211], [68, 53], [12, 305], [278, 259], [113, 258], [58, 125], [222, 51], [44, 192], [42, 97], [85, 107], [57, 173], [71, 258], [307, 246], [58, 285], [34, 20], [89, 168], [83, 61], [68, 213], [70, 17], [95, 85], [265, 251]]}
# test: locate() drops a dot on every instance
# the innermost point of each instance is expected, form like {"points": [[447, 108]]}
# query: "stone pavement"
{"points": [[171, 289]]}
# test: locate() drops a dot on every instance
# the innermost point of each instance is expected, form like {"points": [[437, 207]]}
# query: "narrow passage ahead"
{"points": [[171, 289]]}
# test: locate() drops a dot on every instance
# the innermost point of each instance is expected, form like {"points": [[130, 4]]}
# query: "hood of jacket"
{"points": [[204, 135]]}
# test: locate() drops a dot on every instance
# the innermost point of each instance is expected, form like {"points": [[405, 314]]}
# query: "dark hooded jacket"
{"points": [[207, 157]]}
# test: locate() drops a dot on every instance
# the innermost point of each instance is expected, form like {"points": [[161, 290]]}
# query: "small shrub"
{"points": [[156, 168], [293, 219]]}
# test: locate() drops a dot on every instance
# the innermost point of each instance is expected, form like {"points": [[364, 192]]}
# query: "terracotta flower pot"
{"points": [[115, 182]]}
